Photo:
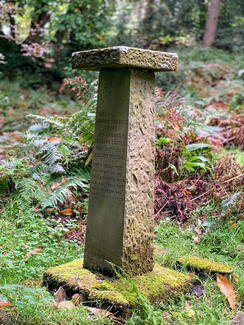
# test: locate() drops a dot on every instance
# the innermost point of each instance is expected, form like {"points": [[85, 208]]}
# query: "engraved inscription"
{"points": [[108, 176]]}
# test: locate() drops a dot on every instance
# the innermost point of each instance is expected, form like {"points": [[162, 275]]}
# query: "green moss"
{"points": [[204, 264], [154, 285]]}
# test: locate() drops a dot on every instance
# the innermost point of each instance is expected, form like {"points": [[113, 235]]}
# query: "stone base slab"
{"points": [[117, 294]]}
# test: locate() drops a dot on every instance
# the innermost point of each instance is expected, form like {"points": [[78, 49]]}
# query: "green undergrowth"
{"points": [[30, 243], [219, 240], [17, 99], [196, 64], [43, 170], [35, 306]]}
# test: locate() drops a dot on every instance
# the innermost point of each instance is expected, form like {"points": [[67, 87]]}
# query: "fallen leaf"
{"points": [[186, 191], [101, 312], [63, 179], [227, 289], [232, 223], [192, 274], [64, 304], [35, 251], [67, 212], [54, 139], [5, 303], [60, 295], [198, 231], [77, 299], [196, 239], [54, 186]]}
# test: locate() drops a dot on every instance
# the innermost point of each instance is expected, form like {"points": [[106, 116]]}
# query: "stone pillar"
{"points": [[120, 214]]}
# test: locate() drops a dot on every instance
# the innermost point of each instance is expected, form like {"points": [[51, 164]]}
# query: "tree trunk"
{"points": [[211, 23]]}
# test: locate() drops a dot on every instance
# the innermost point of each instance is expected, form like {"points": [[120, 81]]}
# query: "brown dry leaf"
{"points": [[192, 274], [196, 239], [60, 295], [198, 230], [101, 312], [77, 299], [227, 289], [232, 223], [63, 179], [186, 191], [5, 303], [35, 251], [67, 212], [54, 185], [64, 304], [54, 139]]}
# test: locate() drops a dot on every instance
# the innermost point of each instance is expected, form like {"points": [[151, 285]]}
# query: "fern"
{"points": [[47, 120], [76, 127], [49, 153], [79, 180], [230, 202], [29, 192]]}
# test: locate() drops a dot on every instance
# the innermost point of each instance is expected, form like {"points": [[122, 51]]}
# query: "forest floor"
{"points": [[198, 195]]}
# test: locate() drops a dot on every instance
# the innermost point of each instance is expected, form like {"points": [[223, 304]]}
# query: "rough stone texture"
{"points": [[139, 197], [122, 56], [117, 293], [204, 264], [120, 228]]}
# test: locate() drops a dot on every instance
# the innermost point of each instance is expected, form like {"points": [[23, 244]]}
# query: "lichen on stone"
{"points": [[199, 263], [122, 56]]}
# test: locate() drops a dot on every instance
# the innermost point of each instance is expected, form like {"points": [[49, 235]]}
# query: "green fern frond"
{"points": [[230, 201], [79, 180], [29, 191], [47, 120], [50, 154]]}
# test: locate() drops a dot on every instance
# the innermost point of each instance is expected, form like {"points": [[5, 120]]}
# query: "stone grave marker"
{"points": [[120, 214]]}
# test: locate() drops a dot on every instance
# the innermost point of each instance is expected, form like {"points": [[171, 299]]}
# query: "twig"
{"points": [[231, 179], [227, 181]]}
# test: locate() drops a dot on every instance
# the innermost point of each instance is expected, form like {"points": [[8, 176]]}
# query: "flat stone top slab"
{"points": [[124, 57]]}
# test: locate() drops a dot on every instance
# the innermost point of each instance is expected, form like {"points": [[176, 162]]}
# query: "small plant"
{"points": [[162, 141], [36, 306], [144, 313], [196, 156]]}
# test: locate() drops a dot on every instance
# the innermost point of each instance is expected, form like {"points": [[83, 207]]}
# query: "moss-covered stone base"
{"points": [[118, 293], [204, 265]]}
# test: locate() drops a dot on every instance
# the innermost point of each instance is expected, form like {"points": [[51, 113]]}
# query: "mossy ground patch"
{"points": [[204, 264], [155, 285]]}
